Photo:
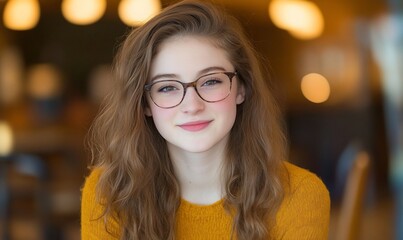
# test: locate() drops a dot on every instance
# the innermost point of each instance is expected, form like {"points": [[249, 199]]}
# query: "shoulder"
{"points": [[305, 210], [93, 225], [304, 186], [301, 179], [91, 181], [89, 188]]}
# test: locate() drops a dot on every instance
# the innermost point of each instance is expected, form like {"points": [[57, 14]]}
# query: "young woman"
{"points": [[189, 144]]}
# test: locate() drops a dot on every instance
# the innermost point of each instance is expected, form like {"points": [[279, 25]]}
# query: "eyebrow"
{"points": [[201, 72]]}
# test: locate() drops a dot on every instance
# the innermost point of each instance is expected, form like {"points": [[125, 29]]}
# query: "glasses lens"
{"points": [[211, 88], [166, 94], [214, 87]]}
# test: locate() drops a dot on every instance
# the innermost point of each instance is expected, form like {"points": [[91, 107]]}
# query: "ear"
{"points": [[147, 111], [240, 97]]}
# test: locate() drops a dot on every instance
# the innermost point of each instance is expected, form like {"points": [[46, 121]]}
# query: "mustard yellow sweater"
{"points": [[304, 213]]}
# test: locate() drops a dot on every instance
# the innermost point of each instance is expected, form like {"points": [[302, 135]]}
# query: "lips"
{"points": [[195, 126]]}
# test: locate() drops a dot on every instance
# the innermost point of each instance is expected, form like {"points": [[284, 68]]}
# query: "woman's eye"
{"points": [[167, 89], [211, 82]]}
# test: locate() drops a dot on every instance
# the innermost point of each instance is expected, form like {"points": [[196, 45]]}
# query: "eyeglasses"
{"points": [[212, 87]]}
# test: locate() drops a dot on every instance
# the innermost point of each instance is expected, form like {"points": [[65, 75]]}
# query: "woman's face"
{"points": [[194, 125]]}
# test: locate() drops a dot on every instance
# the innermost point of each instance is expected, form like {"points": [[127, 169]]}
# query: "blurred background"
{"points": [[335, 67]]}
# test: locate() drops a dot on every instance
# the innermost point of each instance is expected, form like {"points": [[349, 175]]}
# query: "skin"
{"points": [[196, 131]]}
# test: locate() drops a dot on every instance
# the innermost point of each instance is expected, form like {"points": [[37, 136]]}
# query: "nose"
{"points": [[192, 103]]}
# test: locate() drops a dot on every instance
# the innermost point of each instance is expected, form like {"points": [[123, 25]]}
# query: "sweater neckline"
{"points": [[198, 211], [187, 204]]}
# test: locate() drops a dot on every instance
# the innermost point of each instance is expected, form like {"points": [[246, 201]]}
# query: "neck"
{"points": [[199, 174]]}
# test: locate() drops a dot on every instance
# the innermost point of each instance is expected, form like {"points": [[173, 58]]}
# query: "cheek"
{"points": [[160, 114], [161, 118], [228, 106], [225, 106]]}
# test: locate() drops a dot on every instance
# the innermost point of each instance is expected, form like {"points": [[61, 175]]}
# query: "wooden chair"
{"points": [[351, 207]]}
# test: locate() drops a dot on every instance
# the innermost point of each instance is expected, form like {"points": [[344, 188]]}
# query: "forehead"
{"points": [[186, 55]]}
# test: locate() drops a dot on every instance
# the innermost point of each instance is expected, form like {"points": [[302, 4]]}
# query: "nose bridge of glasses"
{"points": [[196, 92], [190, 84]]}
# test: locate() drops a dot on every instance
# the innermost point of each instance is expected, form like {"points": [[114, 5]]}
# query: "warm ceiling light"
{"points": [[303, 19], [6, 139], [83, 12], [315, 88], [21, 14], [137, 12]]}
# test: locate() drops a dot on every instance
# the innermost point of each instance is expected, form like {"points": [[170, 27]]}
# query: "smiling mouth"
{"points": [[195, 126]]}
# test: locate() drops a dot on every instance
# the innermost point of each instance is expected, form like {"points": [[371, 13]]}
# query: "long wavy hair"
{"points": [[138, 185]]}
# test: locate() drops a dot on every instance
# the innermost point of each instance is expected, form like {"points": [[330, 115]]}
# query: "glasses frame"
{"points": [[193, 84]]}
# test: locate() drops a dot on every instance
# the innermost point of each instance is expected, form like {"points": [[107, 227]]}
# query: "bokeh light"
{"points": [[21, 14], [137, 12], [44, 81], [83, 12], [315, 88], [6, 139], [302, 19]]}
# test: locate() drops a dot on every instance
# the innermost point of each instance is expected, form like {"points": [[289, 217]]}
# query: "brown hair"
{"points": [[138, 185]]}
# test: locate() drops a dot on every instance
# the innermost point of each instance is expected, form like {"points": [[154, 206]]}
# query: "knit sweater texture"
{"points": [[303, 214]]}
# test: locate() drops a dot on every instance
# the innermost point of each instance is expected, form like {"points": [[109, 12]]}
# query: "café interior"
{"points": [[335, 68]]}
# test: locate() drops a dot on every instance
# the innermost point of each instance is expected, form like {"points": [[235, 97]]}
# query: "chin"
{"points": [[194, 148], [197, 149]]}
